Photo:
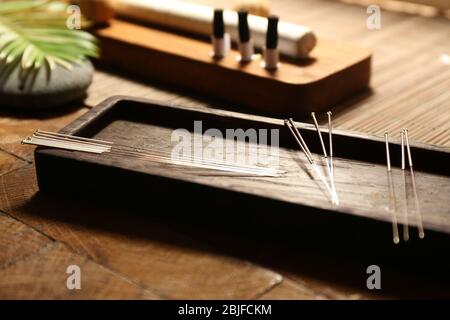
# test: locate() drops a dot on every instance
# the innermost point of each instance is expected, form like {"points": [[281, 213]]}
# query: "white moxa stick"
{"points": [[294, 40]]}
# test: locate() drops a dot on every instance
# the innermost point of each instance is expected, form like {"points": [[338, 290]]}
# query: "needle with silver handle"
{"points": [[413, 181], [333, 188], [392, 204], [301, 142], [330, 153], [405, 201], [74, 143]]}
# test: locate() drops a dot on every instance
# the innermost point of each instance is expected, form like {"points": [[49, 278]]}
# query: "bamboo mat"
{"points": [[410, 70]]}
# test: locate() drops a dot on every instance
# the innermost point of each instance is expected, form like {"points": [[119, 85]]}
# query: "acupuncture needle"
{"points": [[330, 153], [301, 142], [228, 168], [392, 204], [71, 142], [113, 145], [313, 163], [62, 145], [405, 201], [333, 189], [160, 159], [202, 164], [134, 151], [413, 181], [137, 151], [298, 137], [73, 137], [78, 146], [49, 142]]}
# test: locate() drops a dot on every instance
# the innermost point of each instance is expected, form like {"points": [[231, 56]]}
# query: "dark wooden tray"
{"points": [[286, 205], [334, 71]]}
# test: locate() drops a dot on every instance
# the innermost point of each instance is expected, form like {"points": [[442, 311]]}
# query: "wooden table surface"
{"points": [[126, 255]]}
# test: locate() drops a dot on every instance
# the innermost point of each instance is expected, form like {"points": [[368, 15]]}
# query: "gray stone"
{"points": [[43, 89]]}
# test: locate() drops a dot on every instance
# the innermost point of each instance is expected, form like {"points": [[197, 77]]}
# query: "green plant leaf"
{"points": [[34, 32]]}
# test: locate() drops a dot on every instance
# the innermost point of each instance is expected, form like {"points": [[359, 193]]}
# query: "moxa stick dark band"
{"points": [[218, 25], [244, 30], [272, 32]]}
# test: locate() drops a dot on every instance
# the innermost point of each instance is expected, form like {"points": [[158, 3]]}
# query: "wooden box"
{"points": [[293, 205], [334, 72]]}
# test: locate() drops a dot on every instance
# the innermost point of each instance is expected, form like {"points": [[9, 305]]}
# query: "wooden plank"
{"points": [[289, 290], [306, 274], [341, 278], [148, 252], [310, 274], [9, 162], [424, 7], [443, 4], [105, 84], [345, 282], [17, 240], [43, 276]]}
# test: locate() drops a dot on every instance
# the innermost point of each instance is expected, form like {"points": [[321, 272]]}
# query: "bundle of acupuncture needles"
{"points": [[75, 143], [392, 198], [330, 187]]}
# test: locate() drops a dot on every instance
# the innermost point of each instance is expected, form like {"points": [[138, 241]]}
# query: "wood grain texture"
{"points": [[149, 253], [125, 84], [437, 3], [290, 290], [18, 240], [343, 279], [409, 74], [425, 7], [9, 162], [323, 274], [43, 276]]}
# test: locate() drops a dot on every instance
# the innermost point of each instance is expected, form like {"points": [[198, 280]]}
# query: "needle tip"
{"points": [[421, 235], [396, 240]]}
